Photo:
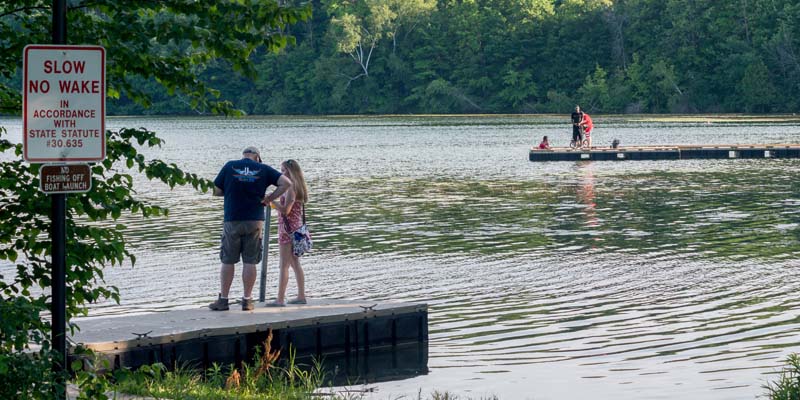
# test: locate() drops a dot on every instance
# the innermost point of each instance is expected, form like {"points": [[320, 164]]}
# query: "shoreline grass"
{"points": [[263, 379], [787, 386]]}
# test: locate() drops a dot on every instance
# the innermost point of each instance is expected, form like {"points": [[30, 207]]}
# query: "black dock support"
{"points": [[687, 152]]}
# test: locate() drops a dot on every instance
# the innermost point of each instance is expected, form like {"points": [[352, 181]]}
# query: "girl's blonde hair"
{"points": [[298, 180]]}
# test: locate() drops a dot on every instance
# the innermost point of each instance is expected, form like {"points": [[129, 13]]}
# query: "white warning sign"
{"points": [[64, 103]]}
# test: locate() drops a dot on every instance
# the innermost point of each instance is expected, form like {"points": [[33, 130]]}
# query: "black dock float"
{"points": [[337, 329], [684, 152]]}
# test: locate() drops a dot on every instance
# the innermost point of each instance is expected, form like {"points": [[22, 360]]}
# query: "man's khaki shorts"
{"points": [[241, 238]]}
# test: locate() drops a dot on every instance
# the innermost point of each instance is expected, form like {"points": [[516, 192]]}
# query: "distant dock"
{"points": [[342, 329], [684, 152]]}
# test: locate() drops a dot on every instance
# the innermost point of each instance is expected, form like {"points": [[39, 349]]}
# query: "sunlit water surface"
{"points": [[613, 280]]}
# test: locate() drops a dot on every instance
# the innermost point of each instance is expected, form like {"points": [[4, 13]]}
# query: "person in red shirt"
{"points": [[545, 145], [588, 126]]}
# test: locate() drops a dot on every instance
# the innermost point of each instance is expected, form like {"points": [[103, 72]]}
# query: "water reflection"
{"points": [[586, 192], [374, 366]]}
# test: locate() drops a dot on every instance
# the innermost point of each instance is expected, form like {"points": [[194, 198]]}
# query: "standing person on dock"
{"points": [[587, 125], [292, 215], [577, 117], [243, 183]]}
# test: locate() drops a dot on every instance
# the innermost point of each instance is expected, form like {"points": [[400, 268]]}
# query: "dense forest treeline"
{"points": [[520, 56]]}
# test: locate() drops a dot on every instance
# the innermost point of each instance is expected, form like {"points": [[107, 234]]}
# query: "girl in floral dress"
{"points": [[290, 217]]}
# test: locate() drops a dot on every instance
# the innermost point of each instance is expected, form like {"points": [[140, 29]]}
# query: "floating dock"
{"points": [[343, 330], [684, 152]]}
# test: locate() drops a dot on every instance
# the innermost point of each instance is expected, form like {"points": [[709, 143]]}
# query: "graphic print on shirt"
{"points": [[246, 174]]}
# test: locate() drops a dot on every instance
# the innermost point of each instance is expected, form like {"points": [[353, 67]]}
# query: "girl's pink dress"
{"points": [[294, 219]]}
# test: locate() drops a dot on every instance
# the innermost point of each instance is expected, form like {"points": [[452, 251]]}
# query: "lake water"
{"points": [[623, 280]]}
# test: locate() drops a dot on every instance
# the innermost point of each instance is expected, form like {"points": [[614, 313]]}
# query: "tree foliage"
{"points": [[679, 56], [171, 43]]}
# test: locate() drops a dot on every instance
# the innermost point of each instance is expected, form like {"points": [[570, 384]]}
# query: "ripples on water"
{"points": [[663, 279]]}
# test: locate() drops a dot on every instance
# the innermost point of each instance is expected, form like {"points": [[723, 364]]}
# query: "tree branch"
{"points": [[353, 56], [369, 56], [352, 79], [23, 9]]}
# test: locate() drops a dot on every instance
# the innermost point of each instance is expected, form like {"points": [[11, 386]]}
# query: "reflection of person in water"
{"points": [[586, 195]]}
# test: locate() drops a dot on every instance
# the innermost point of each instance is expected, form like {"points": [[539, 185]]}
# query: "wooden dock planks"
{"points": [[201, 337]]}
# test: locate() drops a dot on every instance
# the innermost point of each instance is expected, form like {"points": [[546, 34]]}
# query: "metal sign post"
{"points": [[262, 286], [58, 218]]}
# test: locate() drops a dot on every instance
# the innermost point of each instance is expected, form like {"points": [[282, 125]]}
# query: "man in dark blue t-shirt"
{"points": [[244, 184], [577, 133]]}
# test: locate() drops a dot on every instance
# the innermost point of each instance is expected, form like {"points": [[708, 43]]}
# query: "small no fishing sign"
{"points": [[65, 178]]}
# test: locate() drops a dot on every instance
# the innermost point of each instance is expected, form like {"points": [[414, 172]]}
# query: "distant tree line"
{"points": [[519, 56]]}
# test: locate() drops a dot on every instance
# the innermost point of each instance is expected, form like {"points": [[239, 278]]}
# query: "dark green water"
{"points": [[624, 280]]}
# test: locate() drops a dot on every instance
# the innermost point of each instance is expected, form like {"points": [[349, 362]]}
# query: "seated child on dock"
{"points": [[545, 145]]}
